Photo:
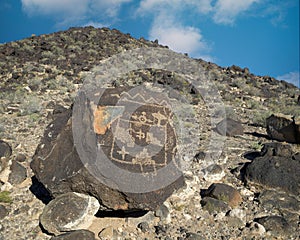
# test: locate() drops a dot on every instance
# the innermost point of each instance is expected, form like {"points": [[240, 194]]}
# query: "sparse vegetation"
{"points": [[2, 130], [30, 105], [230, 113], [257, 146], [224, 198], [5, 197], [292, 110], [252, 104], [259, 117], [48, 54], [34, 83]]}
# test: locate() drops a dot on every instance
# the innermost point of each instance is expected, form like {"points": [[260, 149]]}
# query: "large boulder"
{"points": [[284, 128], [276, 167], [124, 155]]}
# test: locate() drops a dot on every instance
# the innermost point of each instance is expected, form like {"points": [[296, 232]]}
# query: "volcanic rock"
{"points": [[18, 173], [78, 234], [5, 149], [276, 167], [230, 127], [224, 192], [20, 157], [276, 224], [68, 212], [256, 228], [276, 149], [3, 212], [213, 205], [58, 166], [163, 213], [271, 199], [144, 226], [284, 128], [213, 172]]}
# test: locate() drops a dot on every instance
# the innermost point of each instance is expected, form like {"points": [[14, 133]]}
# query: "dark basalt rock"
{"points": [[106, 126], [213, 205], [3, 212], [283, 128], [5, 149], [230, 127], [20, 157], [275, 224], [225, 193], [79, 234], [289, 206], [272, 199], [18, 173], [276, 167], [68, 212], [276, 149], [144, 226]]}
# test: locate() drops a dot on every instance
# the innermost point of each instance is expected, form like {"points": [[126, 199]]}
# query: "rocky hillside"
{"points": [[250, 191]]}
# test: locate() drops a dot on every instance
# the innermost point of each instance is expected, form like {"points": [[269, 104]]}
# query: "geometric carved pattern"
{"points": [[138, 132]]}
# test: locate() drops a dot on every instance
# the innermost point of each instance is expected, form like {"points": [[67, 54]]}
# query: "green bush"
{"points": [[259, 118], [5, 197], [30, 105]]}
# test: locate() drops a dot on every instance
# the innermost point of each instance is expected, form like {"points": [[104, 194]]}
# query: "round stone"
{"points": [[68, 212], [5, 149]]}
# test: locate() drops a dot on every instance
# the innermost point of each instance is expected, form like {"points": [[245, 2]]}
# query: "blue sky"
{"points": [[262, 35]]}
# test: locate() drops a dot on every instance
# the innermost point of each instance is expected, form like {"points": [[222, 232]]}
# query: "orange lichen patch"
{"points": [[101, 123], [104, 116]]}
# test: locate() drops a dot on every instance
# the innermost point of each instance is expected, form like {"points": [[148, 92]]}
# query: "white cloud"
{"points": [[49, 7], [109, 7], [202, 6], [73, 11], [292, 77], [226, 11], [183, 39], [94, 24], [277, 11], [180, 39], [150, 5], [169, 28], [221, 11]]}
